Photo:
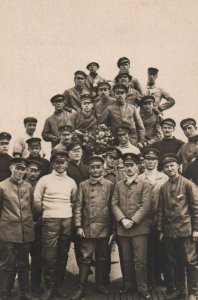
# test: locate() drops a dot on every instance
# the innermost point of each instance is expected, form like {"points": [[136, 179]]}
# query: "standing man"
{"points": [[66, 133], [72, 96], [111, 171], [16, 229], [93, 200], [131, 205], [125, 146], [60, 117], [4, 156], [188, 151], [104, 99], [54, 196], [178, 221], [157, 92], [93, 78], [122, 113]]}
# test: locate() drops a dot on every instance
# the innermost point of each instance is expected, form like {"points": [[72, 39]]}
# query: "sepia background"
{"points": [[43, 42]]}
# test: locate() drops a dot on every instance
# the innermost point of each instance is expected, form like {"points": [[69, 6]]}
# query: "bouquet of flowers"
{"points": [[98, 139]]}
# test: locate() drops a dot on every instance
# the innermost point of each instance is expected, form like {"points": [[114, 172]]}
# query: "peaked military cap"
{"points": [[95, 158], [30, 120], [86, 97], [103, 83], [148, 98], [123, 72], [122, 60], [59, 156], [79, 72], [120, 86], [168, 121], [153, 71], [151, 153], [186, 122], [57, 97], [68, 127], [19, 161], [93, 62], [113, 151], [169, 157], [130, 158], [122, 129], [34, 141], [73, 145], [5, 136], [33, 163]]}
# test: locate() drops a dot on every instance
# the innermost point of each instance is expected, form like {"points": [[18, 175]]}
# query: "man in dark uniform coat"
{"points": [[4, 156], [16, 229], [191, 171], [93, 78]]}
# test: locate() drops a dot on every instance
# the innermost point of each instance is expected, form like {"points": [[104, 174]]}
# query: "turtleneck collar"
{"points": [[59, 174]]}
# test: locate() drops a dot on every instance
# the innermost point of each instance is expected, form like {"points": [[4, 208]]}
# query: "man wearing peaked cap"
{"points": [[188, 151], [93, 78], [123, 64], [66, 133], [5, 158], [104, 98], [72, 96], [54, 196], [111, 171], [34, 148], [16, 229], [178, 222], [157, 92], [123, 134], [61, 116], [131, 214]]}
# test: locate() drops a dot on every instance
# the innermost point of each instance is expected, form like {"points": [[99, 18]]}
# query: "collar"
{"points": [[130, 180], [95, 181], [110, 171], [58, 174], [175, 181], [58, 112], [16, 182], [150, 86]]}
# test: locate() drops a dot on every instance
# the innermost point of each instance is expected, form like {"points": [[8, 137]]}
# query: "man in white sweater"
{"points": [[54, 196]]}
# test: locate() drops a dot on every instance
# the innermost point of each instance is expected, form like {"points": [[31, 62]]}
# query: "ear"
{"points": [[11, 167]]}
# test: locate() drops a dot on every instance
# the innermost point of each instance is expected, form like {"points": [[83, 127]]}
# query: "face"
{"points": [[17, 172], [79, 81], [171, 169], [123, 138], [66, 137], [148, 106], [34, 151], [123, 79], [120, 96], [96, 169], [30, 128], [4, 145], [141, 166], [60, 166], [131, 169], [32, 173], [125, 66], [151, 163], [58, 105], [86, 106], [103, 91], [190, 131], [167, 130], [151, 79], [111, 161], [75, 154], [93, 68]]}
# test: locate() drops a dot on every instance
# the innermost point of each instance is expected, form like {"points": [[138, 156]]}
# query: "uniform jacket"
{"points": [[132, 201], [102, 104], [133, 97], [84, 122], [92, 208], [186, 153], [16, 223], [72, 98], [178, 208], [191, 171], [135, 84], [116, 116], [91, 83], [4, 166], [78, 173]]}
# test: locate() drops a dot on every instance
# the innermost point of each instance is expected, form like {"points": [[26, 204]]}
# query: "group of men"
{"points": [[142, 193]]}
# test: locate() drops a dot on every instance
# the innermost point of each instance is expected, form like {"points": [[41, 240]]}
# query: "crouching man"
{"points": [[92, 218], [131, 205]]}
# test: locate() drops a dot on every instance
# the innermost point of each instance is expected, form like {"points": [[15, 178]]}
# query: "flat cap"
{"points": [[93, 62], [68, 127], [103, 83], [34, 163], [95, 158], [87, 97], [59, 156], [79, 72], [123, 72], [153, 71], [168, 121], [151, 153], [5, 136], [57, 97], [19, 161], [120, 86], [123, 129], [145, 99], [73, 145], [30, 120], [169, 157], [130, 158], [113, 151], [34, 141], [122, 60], [186, 122]]}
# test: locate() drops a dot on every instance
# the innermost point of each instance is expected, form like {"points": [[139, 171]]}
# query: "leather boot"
{"points": [[23, 279], [47, 295], [83, 275], [100, 276], [5, 277]]}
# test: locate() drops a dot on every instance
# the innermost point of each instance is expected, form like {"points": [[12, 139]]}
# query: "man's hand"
{"points": [[80, 232], [195, 236], [127, 223]]}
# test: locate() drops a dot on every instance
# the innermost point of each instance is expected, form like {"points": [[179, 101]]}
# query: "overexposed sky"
{"points": [[43, 42]]}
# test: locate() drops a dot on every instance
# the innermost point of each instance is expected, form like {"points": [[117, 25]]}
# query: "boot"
{"points": [[60, 293], [23, 279], [47, 295], [5, 277], [100, 277], [83, 275]]}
